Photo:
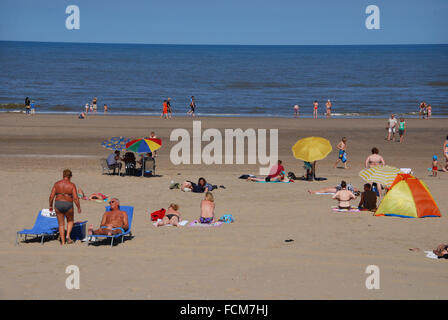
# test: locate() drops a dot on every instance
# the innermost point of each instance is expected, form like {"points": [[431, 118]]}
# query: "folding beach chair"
{"points": [[45, 226], [130, 212], [149, 167], [105, 167]]}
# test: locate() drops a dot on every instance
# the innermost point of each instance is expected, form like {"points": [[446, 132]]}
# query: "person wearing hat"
{"points": [[435, 166]]}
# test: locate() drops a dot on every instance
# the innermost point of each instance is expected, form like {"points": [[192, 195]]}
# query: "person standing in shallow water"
{"points": [[328, 106], [315, 106], [63, 194]]}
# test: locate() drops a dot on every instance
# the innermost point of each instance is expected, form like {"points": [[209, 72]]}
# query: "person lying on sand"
{"points": [[115, 218], [200, 187], [281, 177], [172, 216], [350, 187], [441, 251], [207, 209], [344, 196]]}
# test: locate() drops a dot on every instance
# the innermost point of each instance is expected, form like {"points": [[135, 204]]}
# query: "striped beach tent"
{"points": [[380, 174], [408, 197]]}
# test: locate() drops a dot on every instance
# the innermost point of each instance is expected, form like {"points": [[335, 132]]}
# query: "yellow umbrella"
{"points": [[311, 149]]}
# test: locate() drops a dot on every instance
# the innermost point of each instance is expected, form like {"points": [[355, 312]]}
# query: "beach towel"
{"points": [[227, 218], [47, 213], [431, 255], [196, 223], [320, 193], [275, 181], [182, 223], [346, 210]]}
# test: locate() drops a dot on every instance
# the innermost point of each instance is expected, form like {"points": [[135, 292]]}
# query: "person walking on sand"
{"points": [[342, 147], [401, 129], [315, 106], [170, 108], [375, 160], [296, 111], [192, 107], [391, 124], [63, 194], [165, 110], [328, 106]]}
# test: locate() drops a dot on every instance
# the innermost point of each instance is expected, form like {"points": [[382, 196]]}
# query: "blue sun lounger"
{"points": [[130, 212], [45, 226]]}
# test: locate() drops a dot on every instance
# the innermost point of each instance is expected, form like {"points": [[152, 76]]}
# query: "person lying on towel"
{"points": [[115, 218], [344, 196], [281, 177]]}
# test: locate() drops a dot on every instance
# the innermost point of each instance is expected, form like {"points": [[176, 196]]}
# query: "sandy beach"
{"points": [[248, 259]]}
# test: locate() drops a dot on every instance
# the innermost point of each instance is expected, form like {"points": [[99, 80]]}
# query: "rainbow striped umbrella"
{"points": [[143, 145]]}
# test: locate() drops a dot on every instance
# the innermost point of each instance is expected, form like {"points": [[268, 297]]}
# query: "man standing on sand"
{"points": [[115, 218], [391, 124], [328, 105], [192, 106]]}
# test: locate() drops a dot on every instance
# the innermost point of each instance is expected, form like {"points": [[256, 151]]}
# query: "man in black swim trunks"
{"points": [[64, 193]]}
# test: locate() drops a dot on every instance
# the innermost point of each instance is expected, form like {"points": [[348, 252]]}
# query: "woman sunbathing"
{"points": [[281, 177], [200, 187], [172, 216], [207, 209], [350, 187], [344, 196]]}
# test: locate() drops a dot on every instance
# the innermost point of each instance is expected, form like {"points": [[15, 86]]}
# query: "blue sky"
{"points": [[279, 22]]}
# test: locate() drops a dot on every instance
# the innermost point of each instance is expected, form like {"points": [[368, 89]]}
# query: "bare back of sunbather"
{"points": [[207, 209], [344, 196], [374, 160]]}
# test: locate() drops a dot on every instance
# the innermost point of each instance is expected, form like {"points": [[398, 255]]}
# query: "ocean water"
{"points": [[361, 81]]}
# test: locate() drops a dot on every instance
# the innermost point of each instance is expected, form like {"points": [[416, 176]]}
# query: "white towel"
{"points": [[47, 213], [431, 255]]}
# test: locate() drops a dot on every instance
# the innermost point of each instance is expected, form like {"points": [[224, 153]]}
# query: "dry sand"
{"points": [[245, 260]]}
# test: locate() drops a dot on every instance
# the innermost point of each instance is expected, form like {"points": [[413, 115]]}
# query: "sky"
{"points": [[242, 22]]}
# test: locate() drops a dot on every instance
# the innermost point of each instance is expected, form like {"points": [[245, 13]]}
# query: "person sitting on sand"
{"points": [[207, 209], [115, 218], [368, 199], [172, 216], [349, 187], [280, 177], [344, 196]]}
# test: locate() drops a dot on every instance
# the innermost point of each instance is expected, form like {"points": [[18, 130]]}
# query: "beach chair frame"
{"points": [[51, 231]]}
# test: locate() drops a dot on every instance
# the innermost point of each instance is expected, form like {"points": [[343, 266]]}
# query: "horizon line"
{"points": [[229, 44]]}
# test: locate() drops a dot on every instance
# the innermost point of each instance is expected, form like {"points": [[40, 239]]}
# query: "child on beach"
{"points": [[153, 136], [428, 111], [165, 110], [435, 166], [207, 209], [316, 106], [401, 129], [342, 146], [172, 216], [296, 111]]}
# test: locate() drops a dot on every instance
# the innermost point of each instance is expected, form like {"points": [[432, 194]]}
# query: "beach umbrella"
{"points": [[116, 143], [143, 145], [380, 174], [311, 149]]}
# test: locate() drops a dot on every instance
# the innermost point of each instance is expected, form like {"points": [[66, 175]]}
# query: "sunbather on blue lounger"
{"points": [[113, 222]]}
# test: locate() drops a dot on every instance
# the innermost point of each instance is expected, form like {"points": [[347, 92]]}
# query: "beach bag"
{"points": [[159, 214], [227, 218]]}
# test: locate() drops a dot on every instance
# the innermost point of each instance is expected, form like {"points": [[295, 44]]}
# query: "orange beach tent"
{"points": [[408, 197]]}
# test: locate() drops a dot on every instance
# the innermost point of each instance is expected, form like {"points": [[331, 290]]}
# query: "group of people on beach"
{"points": [[393, 125], [328, 106], [167, 110], [92, 108], [425, 110], [30, 106]]}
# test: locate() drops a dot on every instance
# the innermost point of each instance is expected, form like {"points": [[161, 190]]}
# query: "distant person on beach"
{"points": [[349, 187], [344, 196], [82, 115], [280, 177], [391, 124], [401, 129], [172, 216], [207, 208], [192, 107], [342, 147], [374, 159], [27, 105], [115, 218], [428, 112], [153, 136], [200, 187], [315, 106], [422, 110], [328, 106], [170, 109], [33, 107], [105, 108], [113, 161], [91, 108], [63, 194], [435, 166], [368, 199], [296, 111], [165, 110], [94, 104], [445, 154], [87, 108]]}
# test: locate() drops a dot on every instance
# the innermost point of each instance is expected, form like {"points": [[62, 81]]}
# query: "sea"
{"points": [[226, 80]]}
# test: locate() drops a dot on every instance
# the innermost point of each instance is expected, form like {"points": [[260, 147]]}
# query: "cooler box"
{"points": [[79, 231]]}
